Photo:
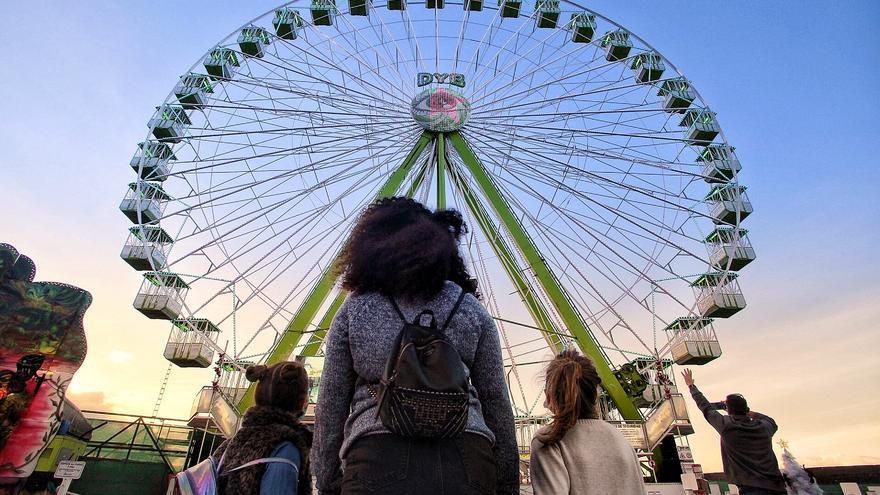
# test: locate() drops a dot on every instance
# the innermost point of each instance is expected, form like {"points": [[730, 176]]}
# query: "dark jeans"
{"points": [[390, 464], [748, 490]]}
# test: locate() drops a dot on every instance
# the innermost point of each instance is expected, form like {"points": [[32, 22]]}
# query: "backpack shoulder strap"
{"points": [[397, 309], [454, 310], [265, 460]]}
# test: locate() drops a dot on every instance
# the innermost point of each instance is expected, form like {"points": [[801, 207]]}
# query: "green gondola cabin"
{"points": [[548, 13], [151, 160], [701, 126], [718, 294], [616, 44], [729, 248], [192, 90], [143, 202], [286, 22], [510, 8], [145, 248], [729, 203], [220, 63], [473, 5], [323, 12], [161, 295], [583, 27], [649, 67], [251, 41], [694, 341], [719, 163], [677, 95], [169, 123], [186, 346]]}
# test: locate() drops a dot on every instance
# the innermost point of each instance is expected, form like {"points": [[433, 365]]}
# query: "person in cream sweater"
{"points": [[579, 453]]}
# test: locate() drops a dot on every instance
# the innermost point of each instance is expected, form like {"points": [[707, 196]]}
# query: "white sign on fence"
{"points": [[70, 469]]}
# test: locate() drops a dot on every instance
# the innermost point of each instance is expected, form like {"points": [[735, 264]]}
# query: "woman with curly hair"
{"points": [[579, 453], [402, 253]]}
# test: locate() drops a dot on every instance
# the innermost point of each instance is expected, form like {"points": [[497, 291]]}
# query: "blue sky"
{"points": [[794, 86]]}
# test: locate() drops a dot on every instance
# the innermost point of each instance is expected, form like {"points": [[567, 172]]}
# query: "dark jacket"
{"points": [[262, 430], [746, 446]]}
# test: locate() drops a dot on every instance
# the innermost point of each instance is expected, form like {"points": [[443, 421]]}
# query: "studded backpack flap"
{"points": [[425, 387]]}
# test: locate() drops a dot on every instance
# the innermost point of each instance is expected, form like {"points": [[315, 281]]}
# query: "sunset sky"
{"points": [[795, 86]]}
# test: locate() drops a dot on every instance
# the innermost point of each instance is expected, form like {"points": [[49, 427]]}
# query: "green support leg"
{"points": [[508, 261], [546, 278], [317, 338], [313, 302], [441, 171]]}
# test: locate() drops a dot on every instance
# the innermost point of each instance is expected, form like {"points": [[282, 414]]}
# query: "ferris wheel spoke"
{"points": [[284, 177], [382, 91], [302, 149], [601, 154], [618, 213], [653, 194], [557, 242], [303, 88], [325, 208], [590, 69]]}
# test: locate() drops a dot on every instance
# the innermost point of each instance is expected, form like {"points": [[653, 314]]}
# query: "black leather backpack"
{"points": [[424, 390]]}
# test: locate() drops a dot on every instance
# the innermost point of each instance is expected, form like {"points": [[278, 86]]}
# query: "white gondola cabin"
{"points": [[677, 95], [323, 12], [169, 123], [649, 67], [719, 163], [510, 8], [146, 247], [583, 27], [548, 13], [143, 202], [220, 63], [186, 346], [151, 160], [192, 90], [729, 203], [161, 295], [701, 126], [729, 248], [231, 380], [287, 21], [251, 41], [693, 340], [718, 294], [616, 44], [210, 410]]}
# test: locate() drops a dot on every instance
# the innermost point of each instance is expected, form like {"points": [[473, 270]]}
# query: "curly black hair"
{"points": [[401, 248]]}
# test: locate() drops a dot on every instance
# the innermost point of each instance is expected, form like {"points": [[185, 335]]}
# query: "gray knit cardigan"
{"points": [[358, 345]]}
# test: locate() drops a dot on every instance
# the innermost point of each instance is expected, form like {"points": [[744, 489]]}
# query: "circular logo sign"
{"points": [[440, 109]]}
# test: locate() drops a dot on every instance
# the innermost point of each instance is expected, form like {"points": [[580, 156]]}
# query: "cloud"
{"points": [[92, 401], [119, 356]]}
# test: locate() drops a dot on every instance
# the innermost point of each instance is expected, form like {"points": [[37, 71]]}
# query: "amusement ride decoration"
{"points": [[603, 198]]}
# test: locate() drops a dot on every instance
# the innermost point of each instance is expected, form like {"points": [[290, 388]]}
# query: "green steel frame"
{"points": [[565, 309], [285, 346], [548, 281]]}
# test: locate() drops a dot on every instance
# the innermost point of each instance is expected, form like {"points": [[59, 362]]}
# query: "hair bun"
{"points": [[255, 373], [451, 219]]}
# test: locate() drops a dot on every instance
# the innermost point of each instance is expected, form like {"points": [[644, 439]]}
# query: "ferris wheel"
{"points": [[603, 200]]}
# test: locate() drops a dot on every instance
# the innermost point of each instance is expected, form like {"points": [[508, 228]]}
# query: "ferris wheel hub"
{"points": [[440, 109]]}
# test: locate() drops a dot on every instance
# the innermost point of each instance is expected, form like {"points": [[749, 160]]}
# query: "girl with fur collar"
{"points": [[271, 428]]}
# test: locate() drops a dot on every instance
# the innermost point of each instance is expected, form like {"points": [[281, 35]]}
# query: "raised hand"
{"points": [[688, 377]]}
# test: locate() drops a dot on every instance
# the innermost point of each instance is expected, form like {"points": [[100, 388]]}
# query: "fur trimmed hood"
{"points": [[262, 429]]}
